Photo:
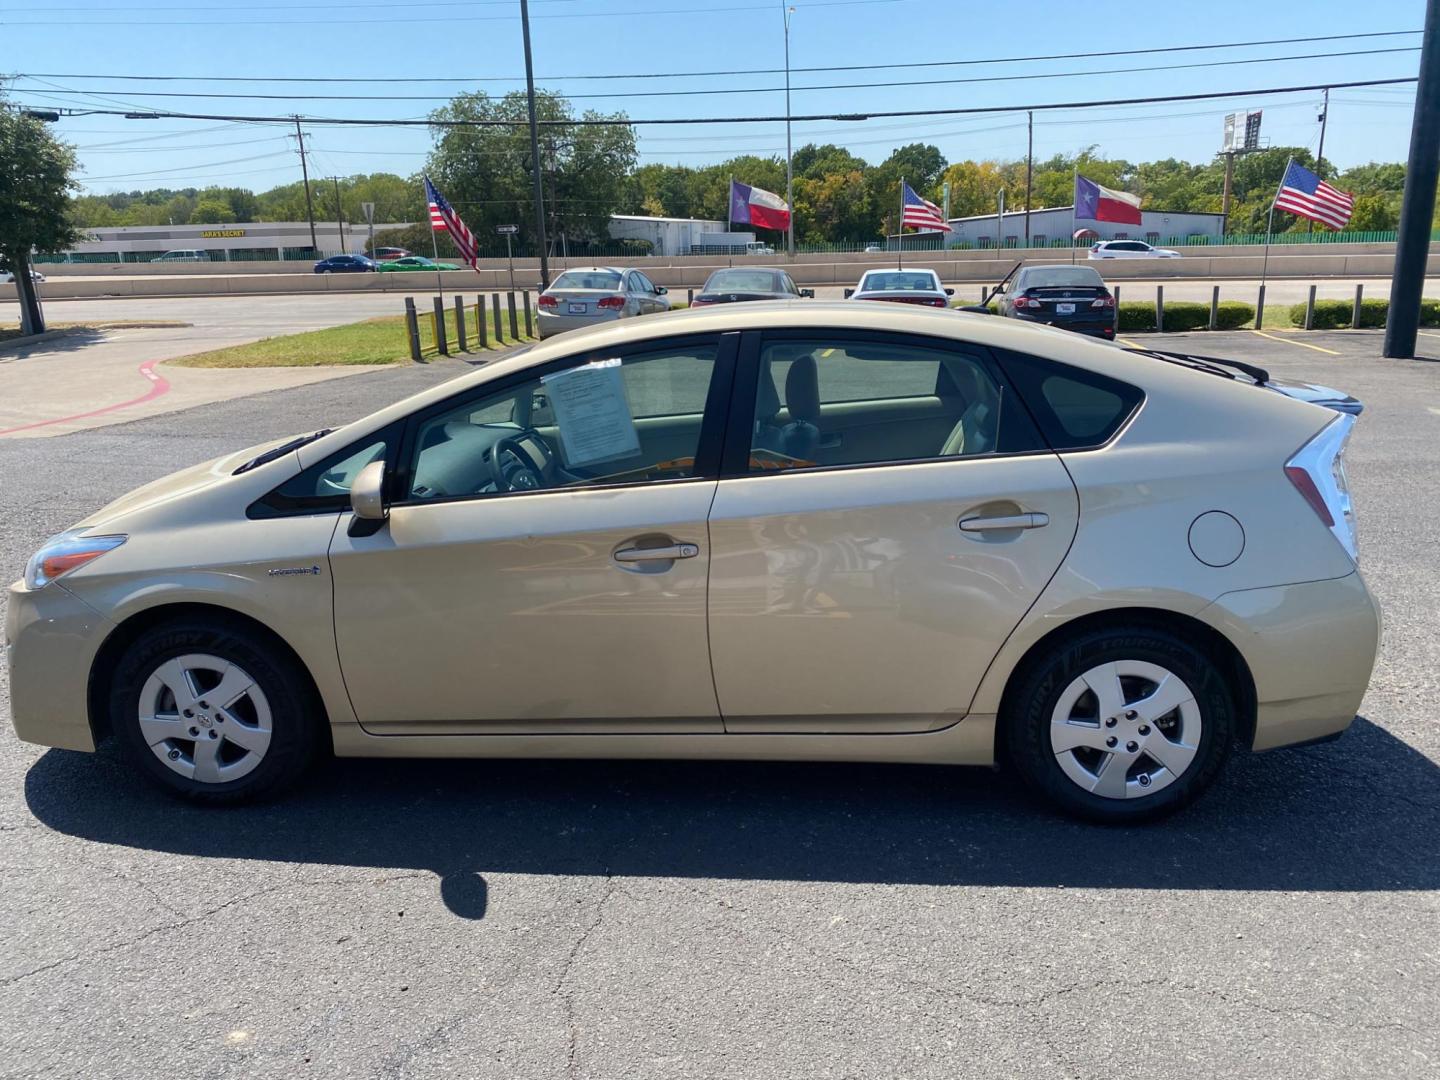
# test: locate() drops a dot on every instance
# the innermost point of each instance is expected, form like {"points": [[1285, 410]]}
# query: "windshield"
{"points": [[741, 281], [899, 281], [587, 279], [1045, 277]]}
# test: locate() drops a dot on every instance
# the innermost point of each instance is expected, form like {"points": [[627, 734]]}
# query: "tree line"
{"points": [[591, 171]]}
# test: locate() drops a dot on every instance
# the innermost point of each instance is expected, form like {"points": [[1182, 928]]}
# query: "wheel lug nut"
{"points": [[1111, 741], [1110, 721], [1144, 729], [1130, 714], [1132, 746], [215, 734], [194, 731], [189, 713]]}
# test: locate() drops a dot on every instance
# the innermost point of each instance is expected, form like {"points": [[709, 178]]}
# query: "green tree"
{"points": [[36, 179], [486, 172], [212, 211]]}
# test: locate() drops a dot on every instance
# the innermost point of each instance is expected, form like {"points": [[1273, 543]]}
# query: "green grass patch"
{"points": [[374, 342]]}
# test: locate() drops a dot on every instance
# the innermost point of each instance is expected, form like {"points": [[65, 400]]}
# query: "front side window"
{"points": [[833, 402], [325, 486], [613, 420]]}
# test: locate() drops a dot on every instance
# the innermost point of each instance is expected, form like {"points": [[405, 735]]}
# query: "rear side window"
{"points": [[1075, 409]]}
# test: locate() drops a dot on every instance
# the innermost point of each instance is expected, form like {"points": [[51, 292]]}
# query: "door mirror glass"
{"points": [[809, 294], [661, 290], [367, 493]]}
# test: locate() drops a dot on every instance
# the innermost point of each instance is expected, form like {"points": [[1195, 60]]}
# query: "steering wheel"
{"points": [[524, 476]]}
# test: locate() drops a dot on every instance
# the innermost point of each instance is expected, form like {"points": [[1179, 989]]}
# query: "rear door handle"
{"points": [[658, 554], [1010, 521]]}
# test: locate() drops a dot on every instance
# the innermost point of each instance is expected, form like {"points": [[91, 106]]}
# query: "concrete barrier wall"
{"points": [[973, 268]]}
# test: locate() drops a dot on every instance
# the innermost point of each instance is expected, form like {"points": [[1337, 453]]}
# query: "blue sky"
{"points": [[61, 40]]}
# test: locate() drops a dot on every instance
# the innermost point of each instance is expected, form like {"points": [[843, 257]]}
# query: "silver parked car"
{"points": [[597, 294], [1129, 249]]}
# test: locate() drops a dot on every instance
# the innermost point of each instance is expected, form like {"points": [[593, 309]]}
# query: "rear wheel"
{"points": [[1121, 725], [214, 711]]}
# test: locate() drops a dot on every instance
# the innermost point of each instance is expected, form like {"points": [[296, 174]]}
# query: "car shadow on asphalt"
{"points": [[1362, 813]]}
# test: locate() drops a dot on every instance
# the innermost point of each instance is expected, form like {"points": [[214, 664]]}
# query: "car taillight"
{"points": [[610, 303], [1103, 302], [937, 302], [701, 301], [1318, 472], [1025, 301], [548, 301]]}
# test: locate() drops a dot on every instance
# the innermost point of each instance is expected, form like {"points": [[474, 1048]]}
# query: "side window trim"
{"points": [[398, 473]]}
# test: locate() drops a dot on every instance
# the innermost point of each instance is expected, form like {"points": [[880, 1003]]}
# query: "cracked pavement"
{"points": [[699, 920]]}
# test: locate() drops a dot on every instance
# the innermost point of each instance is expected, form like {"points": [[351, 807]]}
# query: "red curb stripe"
{"points": [[158, 386]]}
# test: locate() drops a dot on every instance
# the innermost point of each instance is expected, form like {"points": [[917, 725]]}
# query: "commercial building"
{"points": [[665, 235], [1053, 224], [240, 242]]}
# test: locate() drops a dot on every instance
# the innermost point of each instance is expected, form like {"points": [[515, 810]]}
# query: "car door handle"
{"points": [[1010, 521], [673, 551]]}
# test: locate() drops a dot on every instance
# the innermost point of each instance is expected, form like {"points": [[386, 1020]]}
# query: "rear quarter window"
{"points": [[1075, 409]]}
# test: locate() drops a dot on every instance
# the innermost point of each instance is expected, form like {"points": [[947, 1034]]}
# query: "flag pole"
{"points": [[1074, 206], [900, 232], [1270, 221]]}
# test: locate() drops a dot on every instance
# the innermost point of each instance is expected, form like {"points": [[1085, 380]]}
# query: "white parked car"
{"points": [[1129, 249], [7, 277]]}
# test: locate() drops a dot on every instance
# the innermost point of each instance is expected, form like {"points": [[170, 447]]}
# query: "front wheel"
{"points": [[1121, 725], [213, 711]]}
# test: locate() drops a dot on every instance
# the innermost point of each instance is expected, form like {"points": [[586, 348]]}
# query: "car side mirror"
{"points": [[661, 290], [978, 309], [949, 292], [367, 493], [849, 293], [809, 294]]}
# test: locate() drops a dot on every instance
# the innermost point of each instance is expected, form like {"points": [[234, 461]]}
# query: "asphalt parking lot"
{"points": [[529, 920]]}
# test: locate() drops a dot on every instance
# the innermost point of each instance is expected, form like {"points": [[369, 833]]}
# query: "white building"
{"points": [[1055, 223], [665, 235]]}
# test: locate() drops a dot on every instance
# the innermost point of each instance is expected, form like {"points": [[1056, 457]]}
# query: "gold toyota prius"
{"points": [[775, 530]]}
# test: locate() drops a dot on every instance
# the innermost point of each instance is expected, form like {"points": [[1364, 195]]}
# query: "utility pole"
{"points": [[1029, 168], [339, 215], [789, 170], [305, 172], [1412, 246], [1320, 154], [537, 185]]}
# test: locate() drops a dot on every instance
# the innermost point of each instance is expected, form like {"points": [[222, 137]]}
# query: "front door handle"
{"points": [[658, 554], [1010, 521]]}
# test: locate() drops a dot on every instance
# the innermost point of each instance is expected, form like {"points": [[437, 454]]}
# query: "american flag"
{"points": [[920, 213], [444, 219], [1306, 195]]}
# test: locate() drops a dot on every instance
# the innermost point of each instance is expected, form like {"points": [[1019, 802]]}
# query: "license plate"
{"points": [[579, 309], [1064, 309]]}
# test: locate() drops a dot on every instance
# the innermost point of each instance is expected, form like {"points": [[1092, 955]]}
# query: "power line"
{"points": [[264, 23], [764, 89], [339, 121], [708, 74]]}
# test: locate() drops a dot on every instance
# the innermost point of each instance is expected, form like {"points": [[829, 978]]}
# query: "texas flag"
{"points": [[755, 206], [1096, 203]]}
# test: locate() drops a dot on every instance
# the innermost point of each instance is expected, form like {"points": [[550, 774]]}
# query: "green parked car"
{"points": [[413, 262]]}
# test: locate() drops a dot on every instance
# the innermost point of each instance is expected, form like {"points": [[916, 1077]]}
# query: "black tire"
{"points": [[1027, 713], [297, 717]]}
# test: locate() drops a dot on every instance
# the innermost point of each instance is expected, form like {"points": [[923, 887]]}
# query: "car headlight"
{"points": [[65, 552]]}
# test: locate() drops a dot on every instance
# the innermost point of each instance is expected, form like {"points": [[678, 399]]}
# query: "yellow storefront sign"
{"points": [[220, 234]]}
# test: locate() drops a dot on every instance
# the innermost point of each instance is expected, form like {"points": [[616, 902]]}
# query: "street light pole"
{"points": [[537, 185], [789, 169]]}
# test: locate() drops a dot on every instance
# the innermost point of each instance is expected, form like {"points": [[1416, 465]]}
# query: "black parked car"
{"points": [[345, 264], [1070, 297], [748, 283]]}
